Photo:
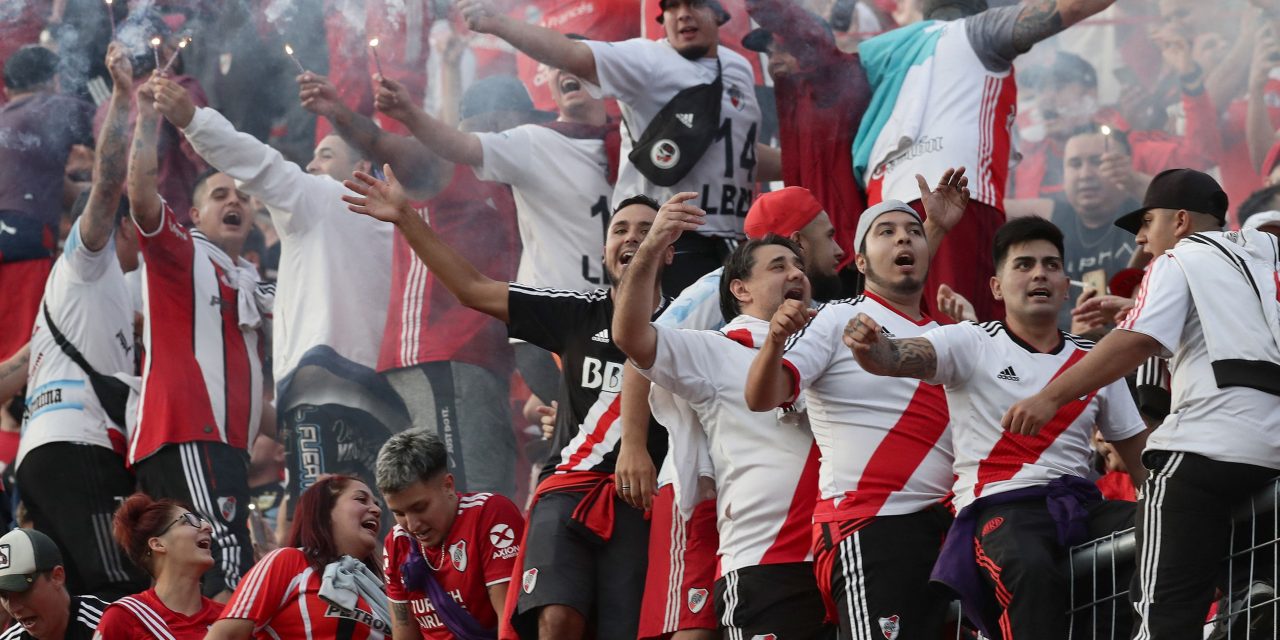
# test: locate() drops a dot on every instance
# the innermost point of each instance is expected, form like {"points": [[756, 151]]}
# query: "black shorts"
{"points": [[327, 439], [876, 573], [214, 479], [71, 491], [778, 601], [562, 566]]}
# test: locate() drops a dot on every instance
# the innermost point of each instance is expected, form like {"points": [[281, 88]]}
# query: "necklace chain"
{"points": [[423, 548]]}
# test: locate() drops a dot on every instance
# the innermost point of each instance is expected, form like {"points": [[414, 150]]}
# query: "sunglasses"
{"points": [[195, 520]]}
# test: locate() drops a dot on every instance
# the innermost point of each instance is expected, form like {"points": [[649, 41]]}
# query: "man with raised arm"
{"points": [[1022, 500], [206, 317], [329, 311], [1209, 302], [583, 557], [765, 465], [886, 452], [86, 316], [706, 144]]}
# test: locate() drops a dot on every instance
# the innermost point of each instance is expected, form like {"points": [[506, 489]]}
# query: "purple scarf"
{"points": [[416, 575], [957, 566]]}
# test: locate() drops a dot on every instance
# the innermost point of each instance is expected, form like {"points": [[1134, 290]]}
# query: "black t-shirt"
{"points": [[576, 326], [86, 611], [1108, 247]]}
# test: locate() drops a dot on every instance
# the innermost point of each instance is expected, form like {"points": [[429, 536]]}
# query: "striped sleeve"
{"points": [[266, 587], [1162, 304], [89, 611]]}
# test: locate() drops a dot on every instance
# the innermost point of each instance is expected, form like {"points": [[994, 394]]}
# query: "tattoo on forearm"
{"points": [[907, 358], [400, 613], [1037, 21]]}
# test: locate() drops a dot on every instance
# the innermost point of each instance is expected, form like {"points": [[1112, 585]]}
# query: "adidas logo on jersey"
{"points": [[602, 336], [685, 119], [1009, 374], [887, 333]]}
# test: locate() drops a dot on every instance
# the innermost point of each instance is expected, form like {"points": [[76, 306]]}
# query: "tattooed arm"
{"points": [[144, 200], [1040, 19], [403, 626], [98, 221], [884, 356]]}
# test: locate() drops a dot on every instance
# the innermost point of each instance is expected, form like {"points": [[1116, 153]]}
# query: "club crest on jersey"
{"points": [[4, 556], [664, 154], [889, 627], [736, 98], [529, 581], [227, 508], [697, 599], [458, 554]]}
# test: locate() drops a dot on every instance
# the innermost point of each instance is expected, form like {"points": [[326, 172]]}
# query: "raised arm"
{"points": [[901, 358], [446, 141], [638, 291], [943, 206], [425, 173], [386, 201], [547, 46], [1114, 357], [769, 383], [97, 224], [144, 200], [1041, 19]]}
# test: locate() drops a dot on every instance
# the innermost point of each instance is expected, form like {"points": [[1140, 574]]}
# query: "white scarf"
{"points": [[254, 298], [1233, 277], [346, 580]]}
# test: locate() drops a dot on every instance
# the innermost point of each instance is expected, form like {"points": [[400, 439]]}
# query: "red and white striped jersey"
{"points": [[193, 342], [281, 596], [886, 449], [576, 326], [479, 552], [985, 369], [143, 616], [766, 463], [426, 323]]}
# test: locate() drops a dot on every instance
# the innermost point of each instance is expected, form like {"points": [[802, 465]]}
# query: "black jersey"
{"points": [[83, 619], [576, 326]]}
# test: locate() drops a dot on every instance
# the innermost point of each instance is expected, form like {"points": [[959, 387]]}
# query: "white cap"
{"points": [[869, 216], [23, 554]]}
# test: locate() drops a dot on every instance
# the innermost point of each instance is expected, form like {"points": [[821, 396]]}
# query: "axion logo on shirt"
{"points": [[889, 627], [697, 599], [458, 554], [501, 536], [529, 581]]}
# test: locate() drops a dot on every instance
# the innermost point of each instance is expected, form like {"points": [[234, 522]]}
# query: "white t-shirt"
{"points": [[763, 465], [1234, 424], [886, 449], [91, 305], [562, 192], [985, 369], [644, 75]]}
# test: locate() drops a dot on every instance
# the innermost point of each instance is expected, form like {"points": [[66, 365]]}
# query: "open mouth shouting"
{"points": [[569, 84], [625, 258], [905, 262], [370, 524], [204, 542], [232, 218], [1040, 293], [794, 293]]}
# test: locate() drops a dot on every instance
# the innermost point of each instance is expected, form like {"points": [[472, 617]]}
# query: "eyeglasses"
{"points": [[194, 519]]}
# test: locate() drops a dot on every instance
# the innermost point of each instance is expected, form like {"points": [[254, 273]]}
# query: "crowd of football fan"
{"points": [[628, 319]]}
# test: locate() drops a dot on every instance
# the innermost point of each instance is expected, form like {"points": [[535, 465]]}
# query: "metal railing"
{"points": [[1101, 571]]}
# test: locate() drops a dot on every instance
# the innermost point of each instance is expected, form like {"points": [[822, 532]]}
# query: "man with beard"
{"points": [[886, 453], [1022, 501], [583, 557], [644, 75], [765, 465], [682, 554]]}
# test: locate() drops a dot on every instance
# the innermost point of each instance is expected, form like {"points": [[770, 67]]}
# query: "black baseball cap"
{"points": [[722, 16], [499, 93], [1179, 189]]}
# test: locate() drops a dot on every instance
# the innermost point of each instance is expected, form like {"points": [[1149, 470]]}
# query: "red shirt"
{"points": [[481, 547], [143, 616], [281, 596], [202, 378], [818, 114], [1239, 178], [426, 323]]}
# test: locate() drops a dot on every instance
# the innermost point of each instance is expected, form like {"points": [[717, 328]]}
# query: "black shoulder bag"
{"points": [[680, 133], [113, 393]]}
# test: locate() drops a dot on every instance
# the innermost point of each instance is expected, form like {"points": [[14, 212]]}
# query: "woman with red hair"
{"points": [[172, 543], [326, 582]]}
